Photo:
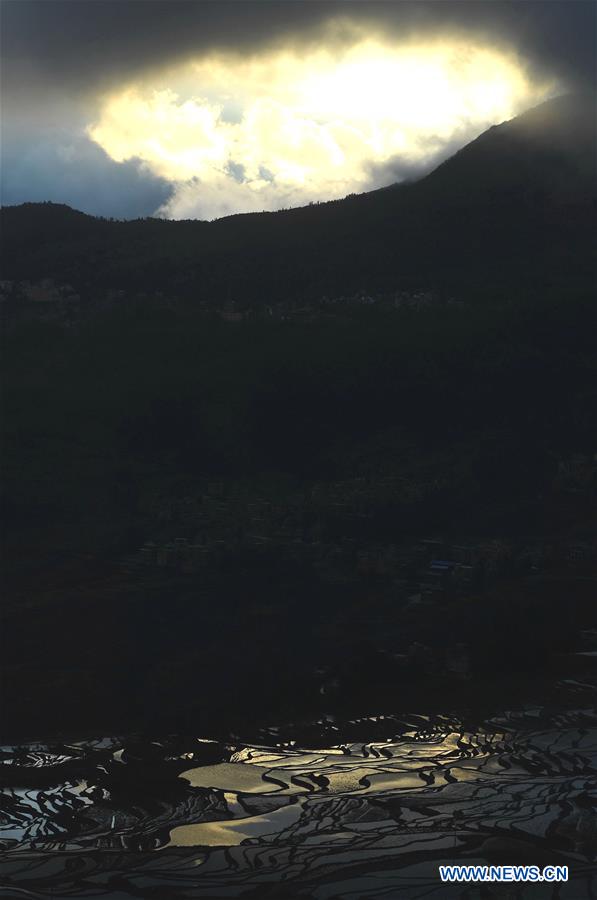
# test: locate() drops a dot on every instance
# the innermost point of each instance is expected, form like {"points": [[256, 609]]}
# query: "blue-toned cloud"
{"points": [[70, 168]]}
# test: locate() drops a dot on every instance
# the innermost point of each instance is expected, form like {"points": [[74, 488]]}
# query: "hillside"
{"points": [[179, 490], [516, 207]]}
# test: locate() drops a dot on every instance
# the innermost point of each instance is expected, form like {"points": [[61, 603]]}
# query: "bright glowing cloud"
{"points": [[237, 135]]}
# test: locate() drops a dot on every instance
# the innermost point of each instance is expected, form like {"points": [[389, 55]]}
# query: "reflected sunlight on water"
{"points": [[364, 808]]}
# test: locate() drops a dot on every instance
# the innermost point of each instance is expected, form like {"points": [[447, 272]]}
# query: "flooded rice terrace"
{"points": [[358, 809]]}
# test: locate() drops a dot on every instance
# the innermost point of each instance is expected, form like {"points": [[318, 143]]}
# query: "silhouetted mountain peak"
{"points": [[551, 146]]}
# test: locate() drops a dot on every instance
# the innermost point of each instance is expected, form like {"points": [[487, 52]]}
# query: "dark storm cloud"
{"points": [[89, 44]]}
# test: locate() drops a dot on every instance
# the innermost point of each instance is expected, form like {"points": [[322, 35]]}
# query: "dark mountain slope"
{"points": [[369, 429], [549, 148], [515, 206]]}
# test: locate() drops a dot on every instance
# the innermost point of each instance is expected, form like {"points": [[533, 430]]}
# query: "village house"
{"points": [[230, 312], [577, 472], [42, 291]]}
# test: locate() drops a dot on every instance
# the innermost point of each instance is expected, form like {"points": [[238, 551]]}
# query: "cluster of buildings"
{"points": [[219, 527], [360, 494], [47, 301], [397, 299], [39, 301], [307, 310], [576, 473]]}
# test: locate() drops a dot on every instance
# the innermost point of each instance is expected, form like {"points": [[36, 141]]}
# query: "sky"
{"points": [[130, 108]]}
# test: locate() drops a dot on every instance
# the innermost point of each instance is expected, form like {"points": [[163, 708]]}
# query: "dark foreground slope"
{"points": [[514, 206], [272, 462]]}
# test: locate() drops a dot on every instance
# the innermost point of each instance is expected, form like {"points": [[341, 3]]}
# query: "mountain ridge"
{"points": [[526, 186]]}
